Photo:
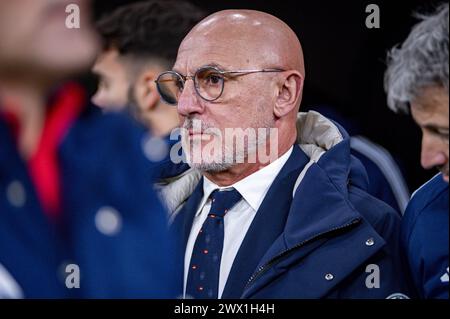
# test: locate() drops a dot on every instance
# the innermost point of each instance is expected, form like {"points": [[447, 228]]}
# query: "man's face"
{"points": [[246, 102], [34, 36], [430, 112], [114, 84]]}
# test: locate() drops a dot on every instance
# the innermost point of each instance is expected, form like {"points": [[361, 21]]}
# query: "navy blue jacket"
{"points": [[326, 241], [425, 238], [386, 181], [113, 226]]}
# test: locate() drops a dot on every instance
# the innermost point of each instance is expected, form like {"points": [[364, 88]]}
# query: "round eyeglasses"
{"points": [[208, 83]]}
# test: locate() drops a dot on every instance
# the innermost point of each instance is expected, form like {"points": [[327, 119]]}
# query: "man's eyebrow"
{"points": [[215, 65], [207, 65]]}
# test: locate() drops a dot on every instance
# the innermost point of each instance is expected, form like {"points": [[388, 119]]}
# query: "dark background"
{"points": [[345, 63]]}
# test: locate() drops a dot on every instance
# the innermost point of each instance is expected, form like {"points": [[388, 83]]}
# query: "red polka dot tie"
{"points": [[204, 269]]}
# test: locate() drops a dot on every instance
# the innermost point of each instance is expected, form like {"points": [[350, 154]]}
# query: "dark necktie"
{"points": [[204, 269]]}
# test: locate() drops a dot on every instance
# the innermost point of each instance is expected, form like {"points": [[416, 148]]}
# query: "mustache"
{"points": [[189, 124]]}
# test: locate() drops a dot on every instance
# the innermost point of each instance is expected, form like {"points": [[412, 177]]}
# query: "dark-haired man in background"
{"points": [[140, 41]]}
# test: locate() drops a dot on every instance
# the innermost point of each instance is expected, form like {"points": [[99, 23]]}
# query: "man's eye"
{"points": [[213, 79], [439, 133]]}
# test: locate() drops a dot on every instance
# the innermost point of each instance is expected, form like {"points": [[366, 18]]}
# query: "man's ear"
{"points": [[145, 92], [289, 93]]}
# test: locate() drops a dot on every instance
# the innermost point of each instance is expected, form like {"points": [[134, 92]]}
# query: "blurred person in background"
{"points": [[75, 185], [141, 40], [416, 81]]}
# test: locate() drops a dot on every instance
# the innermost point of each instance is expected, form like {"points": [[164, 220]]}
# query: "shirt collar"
{"points": [[254, 187]]}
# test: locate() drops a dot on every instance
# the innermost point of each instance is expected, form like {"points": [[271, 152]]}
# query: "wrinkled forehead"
{"points": [[225, 55], [432, 99], [431, 107], [232, 45]]}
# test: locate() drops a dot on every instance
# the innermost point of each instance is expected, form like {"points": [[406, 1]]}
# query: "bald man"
{"points": [[281, 209]]}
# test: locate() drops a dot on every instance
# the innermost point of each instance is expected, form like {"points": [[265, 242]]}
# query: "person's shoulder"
{"points": [[428, 193], [93, 119], [375, 211], [429, 197], [386, 179], [106, 133], [425, 237], [429, 202]]}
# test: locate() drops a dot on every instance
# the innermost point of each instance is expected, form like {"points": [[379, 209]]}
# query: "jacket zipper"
{"points": [[277, 258]]}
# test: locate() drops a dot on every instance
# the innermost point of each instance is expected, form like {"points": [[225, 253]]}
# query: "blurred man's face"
{"points": [[34, 37], [114, 84], [430, 112]]}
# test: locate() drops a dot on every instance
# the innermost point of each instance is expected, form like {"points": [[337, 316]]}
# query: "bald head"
{"points": [[260, 88], [256, 38]]}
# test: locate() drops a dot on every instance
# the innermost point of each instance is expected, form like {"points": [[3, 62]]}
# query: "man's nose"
{"points": [[189, 102], [432, 155]]}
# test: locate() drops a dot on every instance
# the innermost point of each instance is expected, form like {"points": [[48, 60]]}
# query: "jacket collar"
{"points": [[320, 195], [320, 208]]}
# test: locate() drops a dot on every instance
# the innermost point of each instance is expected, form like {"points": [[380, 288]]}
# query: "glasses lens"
{"points": [[209, 83], [170, 85]]}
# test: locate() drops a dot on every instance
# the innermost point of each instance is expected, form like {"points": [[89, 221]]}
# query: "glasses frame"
{"points": [[184, 78]]}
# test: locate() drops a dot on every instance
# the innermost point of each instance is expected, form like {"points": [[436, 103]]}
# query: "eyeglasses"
{"points": [[208, 82]]}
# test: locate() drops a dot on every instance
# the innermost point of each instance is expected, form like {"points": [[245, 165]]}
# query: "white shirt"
{"points": [[237, 221]]}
